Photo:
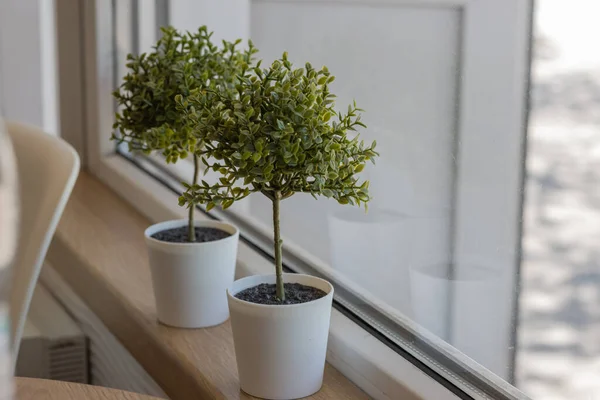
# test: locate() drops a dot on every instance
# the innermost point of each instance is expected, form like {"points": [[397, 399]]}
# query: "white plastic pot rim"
{"points": [[177, 223], [254, 280]]}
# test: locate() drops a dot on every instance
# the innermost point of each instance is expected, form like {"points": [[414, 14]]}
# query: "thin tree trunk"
{"points": [[191, 227], [278, 248]]}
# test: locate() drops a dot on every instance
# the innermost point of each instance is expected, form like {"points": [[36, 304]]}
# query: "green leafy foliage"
{"points": [[279, 134], [177, 65]]}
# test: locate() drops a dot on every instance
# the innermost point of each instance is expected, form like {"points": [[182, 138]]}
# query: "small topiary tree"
{"points": [[178, 64], [278, 134]]}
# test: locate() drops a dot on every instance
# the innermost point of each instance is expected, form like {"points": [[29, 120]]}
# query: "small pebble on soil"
{"points": [[295, 293]]}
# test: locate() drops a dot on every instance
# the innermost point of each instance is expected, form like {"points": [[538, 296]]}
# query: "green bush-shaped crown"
{"points": [[279, 134], [177, 65]]}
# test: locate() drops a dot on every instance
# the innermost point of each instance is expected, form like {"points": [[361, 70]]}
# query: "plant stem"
{"points": [[191, 228], [278, 247]]}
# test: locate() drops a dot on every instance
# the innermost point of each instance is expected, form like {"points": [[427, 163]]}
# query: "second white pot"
{"points": [[280, 349], [190, 280]]}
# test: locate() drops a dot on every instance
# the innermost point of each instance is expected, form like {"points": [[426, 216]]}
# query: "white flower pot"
{"points": [[280, 350], [190, 280]]}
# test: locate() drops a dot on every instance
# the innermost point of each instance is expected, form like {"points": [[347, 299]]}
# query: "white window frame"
{"points": [[85, 37]]}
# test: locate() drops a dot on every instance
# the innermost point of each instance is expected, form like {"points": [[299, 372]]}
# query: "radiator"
{"points": [[53, 346], [110, 364]]}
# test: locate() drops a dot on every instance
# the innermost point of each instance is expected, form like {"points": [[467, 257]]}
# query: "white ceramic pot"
{"points": [[190, 280], [280, 349]]}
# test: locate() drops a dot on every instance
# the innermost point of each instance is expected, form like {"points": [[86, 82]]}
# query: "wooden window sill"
{"points": [[99, 251]]}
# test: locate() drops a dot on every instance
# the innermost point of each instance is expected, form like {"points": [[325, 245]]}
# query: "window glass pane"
{"points": [[410, 103], [558, 354], [404, 65], [480, 231]]}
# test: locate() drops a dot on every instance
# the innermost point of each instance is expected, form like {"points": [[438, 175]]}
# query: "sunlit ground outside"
{"points": [[558, 353]]}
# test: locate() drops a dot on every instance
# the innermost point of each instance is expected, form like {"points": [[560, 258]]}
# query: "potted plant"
{"points": [[278, 134], [192, 262]]}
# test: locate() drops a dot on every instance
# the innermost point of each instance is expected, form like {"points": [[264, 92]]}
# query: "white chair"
{"points": [[47, 168]]}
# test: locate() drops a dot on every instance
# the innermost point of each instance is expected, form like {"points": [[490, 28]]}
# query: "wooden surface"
{"points": [[99, 250], [42, 389]]}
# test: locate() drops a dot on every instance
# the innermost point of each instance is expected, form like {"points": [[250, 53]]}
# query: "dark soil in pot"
{"points": [[295, 293], [180, 235]]}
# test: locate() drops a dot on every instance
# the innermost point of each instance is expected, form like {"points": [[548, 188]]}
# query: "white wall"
{"points": [[28, 90]]}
